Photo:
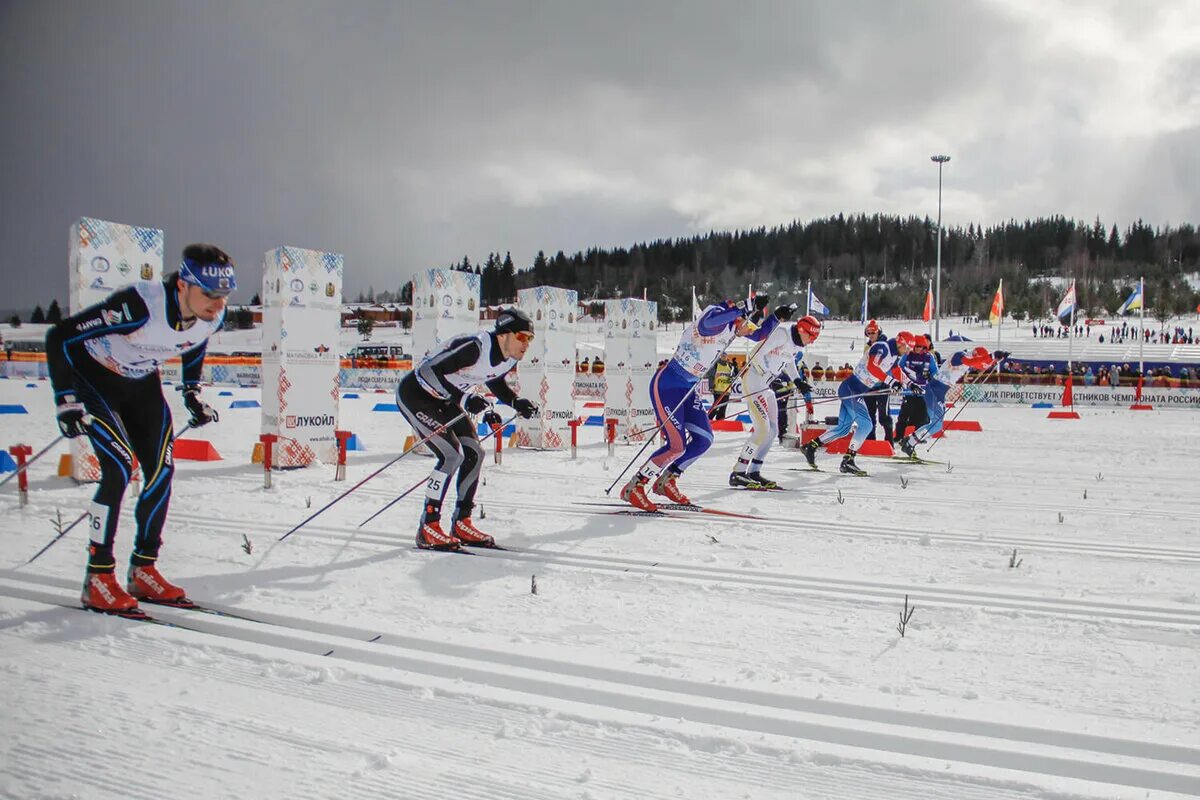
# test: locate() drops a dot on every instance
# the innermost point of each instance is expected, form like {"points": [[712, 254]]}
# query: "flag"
{"points": [[695, 305], [997, 313], [927, 314], [1133, 302], [815, 306], [865, 316], [1067, 306]]}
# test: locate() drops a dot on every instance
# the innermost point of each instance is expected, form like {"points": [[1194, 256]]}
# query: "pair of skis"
{"points": [[664, 510]]}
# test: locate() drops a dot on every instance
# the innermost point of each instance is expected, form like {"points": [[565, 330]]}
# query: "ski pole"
{"points": [[32, 459], [690, 392], [982, 377], [61, 534], [413, 488], [835, 398], [344, 494]]}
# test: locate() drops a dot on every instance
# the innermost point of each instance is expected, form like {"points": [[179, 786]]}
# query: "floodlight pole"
{"points": [[937, 297]]}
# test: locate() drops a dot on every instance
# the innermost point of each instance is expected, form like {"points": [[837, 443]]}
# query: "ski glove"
{"points": [[784, 313], [73, 419], [752, 305], [202, 412], [1000, 355], [524, 407], [475, 403], [492, 419], [804, 386], [916, 389]]}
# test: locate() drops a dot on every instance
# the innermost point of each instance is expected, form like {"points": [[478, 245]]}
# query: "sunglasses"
{"points": [[524, 336]]}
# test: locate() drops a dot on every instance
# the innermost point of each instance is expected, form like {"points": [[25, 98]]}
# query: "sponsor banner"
{"points": [[631, 358], [301, 295], [1082, 395], [105, 256], [445, 305], [547, 373], [589, 386]]}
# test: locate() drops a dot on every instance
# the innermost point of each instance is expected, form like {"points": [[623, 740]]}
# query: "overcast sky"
{"points": [[406, 135]]}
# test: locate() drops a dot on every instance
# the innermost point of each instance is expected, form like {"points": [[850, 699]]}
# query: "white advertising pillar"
{"points": [[630, 359], [302, 297], [547, 373], [103, 257], [445, 305]]}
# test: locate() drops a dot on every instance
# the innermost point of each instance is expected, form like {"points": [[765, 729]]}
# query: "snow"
{"points": [[693, 656]]}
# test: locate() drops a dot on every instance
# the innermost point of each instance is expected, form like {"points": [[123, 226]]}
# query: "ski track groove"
{"points": [[866, 591], [626, 690], [765, 768]]}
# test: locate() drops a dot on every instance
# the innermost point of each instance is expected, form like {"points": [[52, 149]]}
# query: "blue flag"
{"points": [[865, 315], [815, 306]]}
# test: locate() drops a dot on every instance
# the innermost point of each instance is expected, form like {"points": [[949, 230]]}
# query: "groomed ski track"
{"points": [[581, 686]]}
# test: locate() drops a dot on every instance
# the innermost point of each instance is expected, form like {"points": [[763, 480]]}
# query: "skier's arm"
{"points": [[432, 373], [504, 393], [122, 312], [717, 318]]}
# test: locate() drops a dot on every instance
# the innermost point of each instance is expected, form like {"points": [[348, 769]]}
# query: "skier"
{"points": [[941, 378], [878, 366], [777, 353], [103, 365], [436, 400], [877, 404], [677, 405], [916, 364]]}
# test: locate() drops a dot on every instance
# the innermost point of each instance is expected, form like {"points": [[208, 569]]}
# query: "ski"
{"points": [[199, 608], [915, 460], [760, 488], [459, 551], [666, 507], [806, 469]]}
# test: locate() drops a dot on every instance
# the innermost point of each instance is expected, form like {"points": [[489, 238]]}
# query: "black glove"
{"points": [[804, 386], [895, 387], [785, 313], [202, 412], [474, 403], [916, 389], [762, 301], [1000, 355], [525, 408], [73, 419], [492, 419]]}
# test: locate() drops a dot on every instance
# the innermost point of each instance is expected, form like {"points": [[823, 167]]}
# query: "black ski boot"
{"points": [[742, 480], [810, 452], [908, 447], [848, 466], [763, 483]]}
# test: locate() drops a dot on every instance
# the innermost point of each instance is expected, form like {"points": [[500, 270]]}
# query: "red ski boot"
{"points": [[634, 493], [430, 536], [665, 486], [102, 593], [146, 583], [471, 536]]}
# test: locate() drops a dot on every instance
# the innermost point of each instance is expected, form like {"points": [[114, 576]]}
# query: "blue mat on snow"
{"points": [[6, 462], [244, 404], [13, 409], [386, 407]]}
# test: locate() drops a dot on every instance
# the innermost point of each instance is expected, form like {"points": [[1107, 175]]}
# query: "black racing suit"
{"points": [[429, 398], [130, 418]]}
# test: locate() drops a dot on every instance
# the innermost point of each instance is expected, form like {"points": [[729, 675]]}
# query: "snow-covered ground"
{"points": [[693, 656]]}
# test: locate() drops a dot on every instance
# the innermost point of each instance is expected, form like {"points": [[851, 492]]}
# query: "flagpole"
{"points": [[1142, 324], [929, 322], [1000, 316], [808, 299], [1071, 329]]}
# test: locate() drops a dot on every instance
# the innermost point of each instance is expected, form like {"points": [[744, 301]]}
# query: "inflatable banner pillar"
{"points": [[302, 301], [547, 373], [445, 305], [103, 257], [631, 358]]}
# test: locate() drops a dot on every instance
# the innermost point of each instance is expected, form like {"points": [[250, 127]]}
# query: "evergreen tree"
{"points": [[38, 317], [54, 313]]}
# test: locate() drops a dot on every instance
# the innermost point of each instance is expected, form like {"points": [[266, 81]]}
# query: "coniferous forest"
{"points": [[897, 256]]}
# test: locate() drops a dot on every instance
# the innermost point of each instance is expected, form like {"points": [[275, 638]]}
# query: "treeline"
{"points": [[897, 256]]}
